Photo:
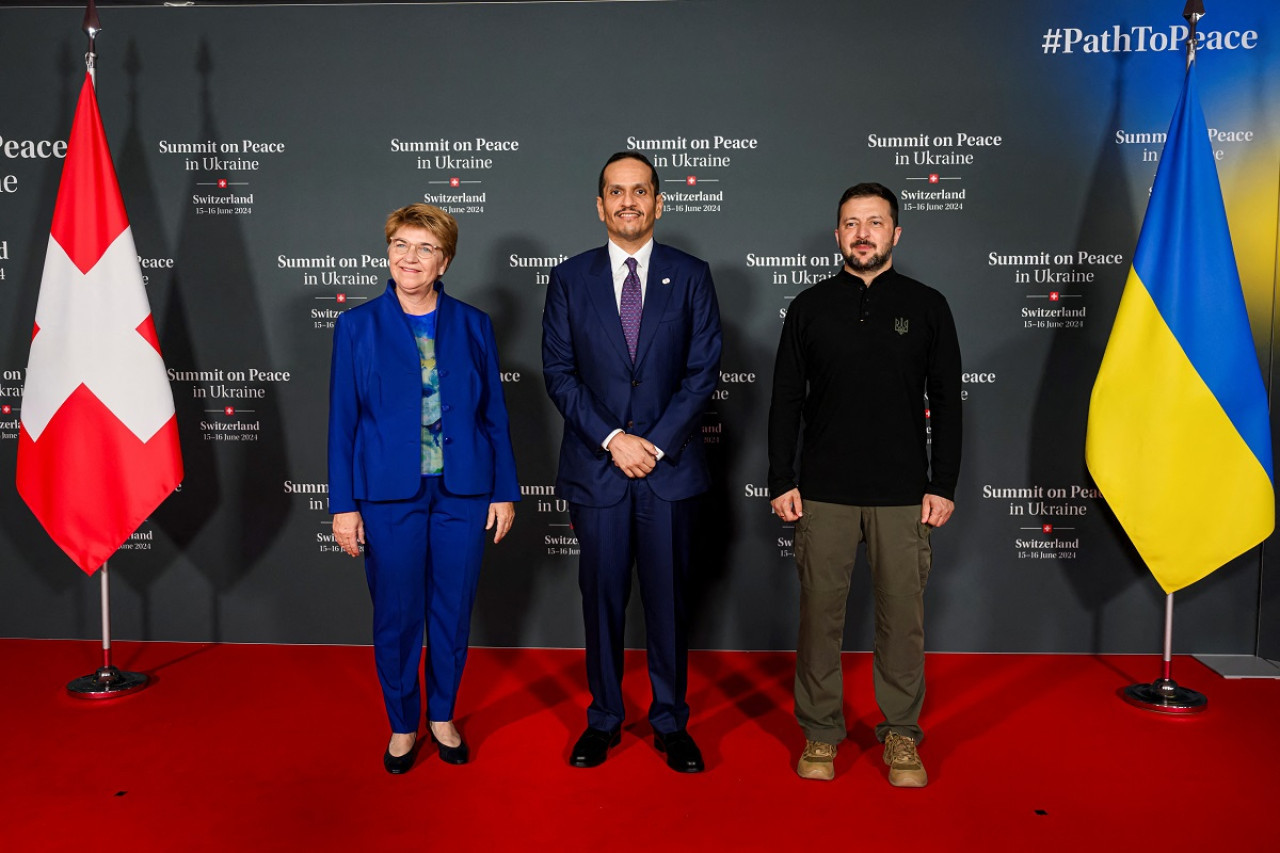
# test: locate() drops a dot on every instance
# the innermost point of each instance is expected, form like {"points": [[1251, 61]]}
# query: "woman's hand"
{"points": [[348, 531], [500, 517]]}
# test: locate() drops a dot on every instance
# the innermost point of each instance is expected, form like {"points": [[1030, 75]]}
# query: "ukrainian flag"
{"points": [[1178, 437]]}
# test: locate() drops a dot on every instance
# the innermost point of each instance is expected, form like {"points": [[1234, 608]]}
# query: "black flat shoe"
{"points": [[397, 764], [683, 754], [451, 754], [593, 747]]}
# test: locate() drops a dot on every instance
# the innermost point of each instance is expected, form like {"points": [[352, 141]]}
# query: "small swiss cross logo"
{"points": [[455, 182], [1054, 296], [229, 411], [1046, 528], [933, 178], [6, 409], [341, 297], [222, 183], [926, 413], [691, 181]]}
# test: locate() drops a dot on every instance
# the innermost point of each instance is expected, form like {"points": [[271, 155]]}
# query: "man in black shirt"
{"points": [[859, 351]]}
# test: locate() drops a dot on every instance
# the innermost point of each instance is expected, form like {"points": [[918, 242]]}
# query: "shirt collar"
{"points": [[884, 275], [618, 257]]}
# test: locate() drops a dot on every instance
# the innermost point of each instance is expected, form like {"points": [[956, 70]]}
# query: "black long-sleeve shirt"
{"points": [[853, 365]]}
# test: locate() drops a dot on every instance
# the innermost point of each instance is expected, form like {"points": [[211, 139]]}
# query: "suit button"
{"points": [[443, 372], [445, 407], [635, 382], [630, 424]]}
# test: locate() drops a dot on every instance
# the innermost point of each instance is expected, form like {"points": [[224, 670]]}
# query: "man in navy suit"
{"points": [[630, 355]]}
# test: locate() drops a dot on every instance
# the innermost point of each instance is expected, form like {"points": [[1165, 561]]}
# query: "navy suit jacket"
{"points": [[375, 405], [597, 388]]}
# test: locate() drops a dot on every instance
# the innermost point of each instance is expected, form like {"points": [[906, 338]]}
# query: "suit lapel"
{"points": [[657, 293], [600, 294], [444, 316], [398, 338]]}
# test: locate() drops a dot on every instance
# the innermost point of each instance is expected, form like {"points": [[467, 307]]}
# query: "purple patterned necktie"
{"points": [[629, 309]]}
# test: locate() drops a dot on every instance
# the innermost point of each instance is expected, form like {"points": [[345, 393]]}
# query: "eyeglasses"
{"points": [[426, 251]]}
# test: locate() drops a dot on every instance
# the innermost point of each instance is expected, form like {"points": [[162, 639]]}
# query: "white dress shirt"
{"points": [[618, 264]]}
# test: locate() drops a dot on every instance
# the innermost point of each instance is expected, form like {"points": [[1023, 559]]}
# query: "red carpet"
{"points": [[278, 748]]}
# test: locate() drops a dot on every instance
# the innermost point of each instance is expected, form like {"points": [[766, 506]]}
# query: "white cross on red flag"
{"points": [[98, 449]]}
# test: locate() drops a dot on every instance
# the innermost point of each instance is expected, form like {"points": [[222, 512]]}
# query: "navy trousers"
{"points": [[422, 561], [656, 536]]}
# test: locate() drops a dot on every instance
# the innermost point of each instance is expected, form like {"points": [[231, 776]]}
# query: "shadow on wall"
{"points": [[144, 568], [224, 538], [518, 572], [1061, 409]]}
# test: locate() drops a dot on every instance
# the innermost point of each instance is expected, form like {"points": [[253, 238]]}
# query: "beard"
{"points": [[871, 264]]}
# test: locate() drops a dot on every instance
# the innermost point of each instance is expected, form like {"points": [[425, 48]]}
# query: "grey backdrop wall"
{"points": [[259, 150]]}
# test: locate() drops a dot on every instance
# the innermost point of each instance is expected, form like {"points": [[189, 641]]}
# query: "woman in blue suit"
{"points": [[420, 466]]}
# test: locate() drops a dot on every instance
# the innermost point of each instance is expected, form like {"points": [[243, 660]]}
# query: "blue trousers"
{"points": [[657, 536], [422, 561]]}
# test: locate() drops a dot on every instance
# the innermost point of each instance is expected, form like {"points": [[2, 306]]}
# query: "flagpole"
{"points": [[107, 682], [1164, 694]]}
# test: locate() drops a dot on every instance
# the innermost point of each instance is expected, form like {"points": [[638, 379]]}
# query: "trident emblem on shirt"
{"points": [[900, 325]]}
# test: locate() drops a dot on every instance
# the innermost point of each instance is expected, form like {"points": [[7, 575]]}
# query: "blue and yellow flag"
{"points": [[1178, 438]]}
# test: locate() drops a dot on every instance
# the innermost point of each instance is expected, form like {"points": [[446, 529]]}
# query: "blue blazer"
{"points": [[375, 405], [597, 388]]}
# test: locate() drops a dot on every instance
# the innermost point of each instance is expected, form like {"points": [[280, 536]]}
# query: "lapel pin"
{"points": [[666, 281]]}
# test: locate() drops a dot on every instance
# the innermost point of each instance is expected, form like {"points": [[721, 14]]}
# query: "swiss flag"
{"points": [[98, 447]]}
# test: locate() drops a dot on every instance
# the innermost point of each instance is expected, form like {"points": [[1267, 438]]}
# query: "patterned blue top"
{"points": [[424, 330]]}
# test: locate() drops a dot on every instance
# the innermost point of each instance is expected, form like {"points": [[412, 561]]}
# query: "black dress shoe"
{"points": [[452, 754], [397, 764], [683, 755], [593, 747]]}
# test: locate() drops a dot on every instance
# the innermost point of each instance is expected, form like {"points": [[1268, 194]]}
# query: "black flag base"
{"points": [[1166, 696], [107, 683]]}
